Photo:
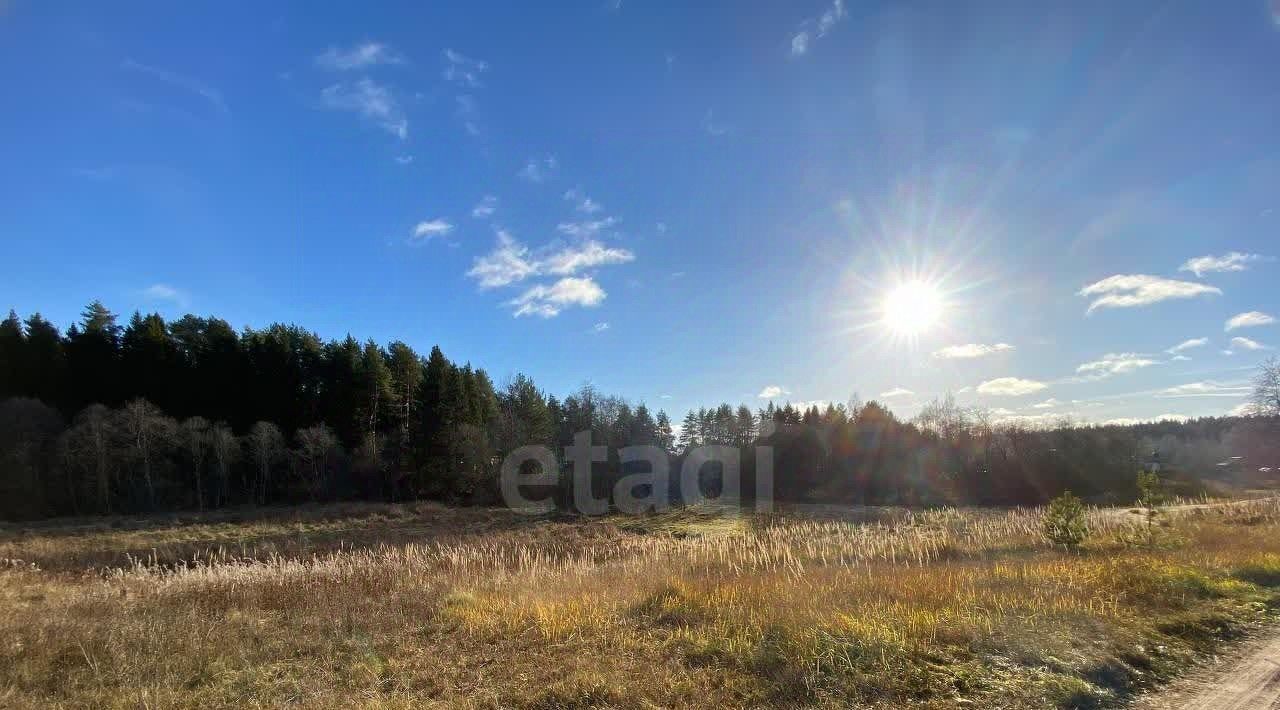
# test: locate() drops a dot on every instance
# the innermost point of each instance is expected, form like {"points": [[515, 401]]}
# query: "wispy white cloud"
{"points": [[508, 263], [186, 83], [1247, 344], [511, 262], [1231, 261], [463, 70], [896, 393], [815, 28], [1206, 388], [581, 201], [773, 392], [404, 159], [165, 292], [1130, 421], [1116, 364], [1130, 290], [1187, 345], [600, 327], [1251, 319], [713, 127], [586, 229], [371, 101], [573, 259], [360, 56], [1047, 404], [1010, 387], [548, 301], [539, 169], [971, 350], [485, 208], [427, 230]]}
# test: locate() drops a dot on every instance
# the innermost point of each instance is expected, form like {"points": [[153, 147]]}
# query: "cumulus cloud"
{"points": [[1206, 388], [485, 208], [896, 392], [547, 301], [1130, 290], [815, 28], [1116, 364], [1249, 320], [1010, 387], [463, 70], [1231, 261], [772, 392], [360, 56], [1247, 344], [1187, 345], [511, 262], [427, 230], [971, 350], [371, 101]]}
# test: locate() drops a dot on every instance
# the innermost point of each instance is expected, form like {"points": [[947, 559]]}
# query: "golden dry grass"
{"points": [[423, 606]]}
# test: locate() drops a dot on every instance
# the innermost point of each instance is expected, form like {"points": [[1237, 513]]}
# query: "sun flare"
{"points": [[912, 308]]}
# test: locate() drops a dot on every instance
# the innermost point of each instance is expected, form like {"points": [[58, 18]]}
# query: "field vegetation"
{"points": [[420, 605]]}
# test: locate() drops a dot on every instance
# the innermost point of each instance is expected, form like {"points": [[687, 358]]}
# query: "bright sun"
{"points": [[912, 308]]}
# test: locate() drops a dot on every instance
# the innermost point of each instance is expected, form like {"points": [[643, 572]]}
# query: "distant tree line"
{"points": [[192, 414]]}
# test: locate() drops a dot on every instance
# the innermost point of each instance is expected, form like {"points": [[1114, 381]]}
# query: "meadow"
{"points": [[421, 605]]}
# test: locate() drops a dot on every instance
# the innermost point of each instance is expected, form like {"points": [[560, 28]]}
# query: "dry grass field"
{"points": [[411, 606]]}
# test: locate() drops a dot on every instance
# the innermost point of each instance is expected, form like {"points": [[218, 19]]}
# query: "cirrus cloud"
{"points": [[1187, 345], [1116, 364], [427, 230], [371, 101], [1231, 261], [1207, 388], [360, 56], [1247, 344], [970, 350], [1251, 319], [1131, 290], [1010, 387]]}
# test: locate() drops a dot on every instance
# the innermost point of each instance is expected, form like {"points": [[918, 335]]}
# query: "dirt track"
{"points": [[1248, 679]]}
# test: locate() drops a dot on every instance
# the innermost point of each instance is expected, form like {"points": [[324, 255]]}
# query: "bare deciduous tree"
{"points": [[315, 453], [266, 443], [226, 451], [86, 447], [1265, 401], [149, 431], [195, 434]]}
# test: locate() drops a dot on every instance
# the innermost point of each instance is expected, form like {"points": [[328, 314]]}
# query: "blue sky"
{"points": [[682, 203]]}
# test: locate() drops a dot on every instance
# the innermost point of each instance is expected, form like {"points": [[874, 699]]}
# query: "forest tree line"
{"points": [[192, 414]]}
